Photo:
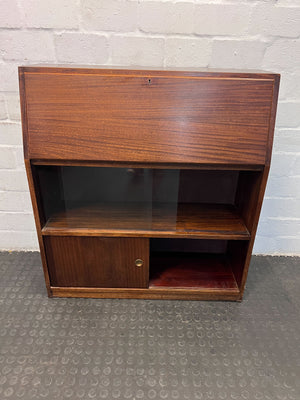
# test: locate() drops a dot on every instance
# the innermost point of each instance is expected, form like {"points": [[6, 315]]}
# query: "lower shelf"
{"points": [[174, 277], [180, 270]]}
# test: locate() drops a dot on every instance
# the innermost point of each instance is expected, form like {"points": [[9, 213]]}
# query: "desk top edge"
{"points": [[142, 71]]}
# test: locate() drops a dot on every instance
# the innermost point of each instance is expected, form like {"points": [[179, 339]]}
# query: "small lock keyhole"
{"points": [[149, 81]]}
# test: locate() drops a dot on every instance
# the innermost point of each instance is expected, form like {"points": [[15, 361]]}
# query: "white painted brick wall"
{"points": [[137, 50], [29, 45], [3, 110], [290, 86], [7, 161], [113, 15], [288, 115], [225, 19], [13, 106], [9, 75], [200, 33], [237, 53], [10, 14], [275, 21], [283, 54], [187, 52], [55, 14], [167, 18], [83, 47]]}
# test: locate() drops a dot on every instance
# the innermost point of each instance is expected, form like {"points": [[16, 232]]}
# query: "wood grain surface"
{"points": [[218, 221], [150, 118], [143, 118], [153, 293], [191, 271], [97, 262], [155, 71]]}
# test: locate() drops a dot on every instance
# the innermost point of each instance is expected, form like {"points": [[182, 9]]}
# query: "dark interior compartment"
{"points": [[209, 264]]}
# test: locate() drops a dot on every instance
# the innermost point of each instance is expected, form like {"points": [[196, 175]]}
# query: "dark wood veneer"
{"points": [[217, 221], [180, 270], [188, 120], [97, 262], [170, 119]]}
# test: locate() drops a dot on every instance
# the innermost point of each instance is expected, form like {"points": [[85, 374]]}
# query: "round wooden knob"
{"points": [[139, 262]]}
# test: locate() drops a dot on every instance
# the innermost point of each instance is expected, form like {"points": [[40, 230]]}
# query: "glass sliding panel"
{"points": [[132, 201], [108, 198], [212, 187], [165, 199]]}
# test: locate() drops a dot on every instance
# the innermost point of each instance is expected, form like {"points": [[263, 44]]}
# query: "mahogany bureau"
{"points": [[146, 183]]}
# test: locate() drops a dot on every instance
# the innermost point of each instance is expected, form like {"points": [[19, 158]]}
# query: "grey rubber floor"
{"points": [[138, 349]]}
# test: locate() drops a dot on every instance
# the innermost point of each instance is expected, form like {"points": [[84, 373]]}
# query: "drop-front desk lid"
{"points": [[148, 116]]}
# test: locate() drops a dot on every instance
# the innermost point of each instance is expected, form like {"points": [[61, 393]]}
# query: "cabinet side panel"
{"points": [[254, 213], [248, 189], [272, 119], [23, 110], [38, 216], [148, 118]]}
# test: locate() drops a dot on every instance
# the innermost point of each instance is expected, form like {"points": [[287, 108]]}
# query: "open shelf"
{"points": [[219, 221], [197, 271]]}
